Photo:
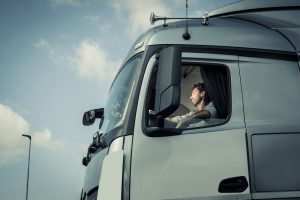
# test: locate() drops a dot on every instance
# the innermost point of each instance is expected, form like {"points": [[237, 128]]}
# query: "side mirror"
{"points": [[167, 97], [90, 116]]}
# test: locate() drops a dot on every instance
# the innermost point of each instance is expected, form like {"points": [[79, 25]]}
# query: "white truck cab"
{"points": [[247, 55]]}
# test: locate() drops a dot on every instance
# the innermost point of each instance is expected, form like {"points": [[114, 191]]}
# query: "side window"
{"points": [[204, 98]]}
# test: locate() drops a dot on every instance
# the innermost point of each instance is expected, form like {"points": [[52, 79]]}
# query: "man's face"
{"points": [[196, 96]]}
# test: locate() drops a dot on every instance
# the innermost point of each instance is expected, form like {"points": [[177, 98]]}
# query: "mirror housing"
{"points": [[90, 116], [167, 97]]}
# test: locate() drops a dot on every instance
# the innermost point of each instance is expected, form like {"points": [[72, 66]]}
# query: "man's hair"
{"points": [[202, 88]]}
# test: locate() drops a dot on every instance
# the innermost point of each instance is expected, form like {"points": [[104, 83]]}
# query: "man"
{"points": [[205, 108]]}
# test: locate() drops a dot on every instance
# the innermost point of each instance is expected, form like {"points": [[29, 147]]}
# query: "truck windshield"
{"points": [[119, 95]]}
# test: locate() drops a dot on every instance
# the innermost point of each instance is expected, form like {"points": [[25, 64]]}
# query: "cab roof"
{"points": [[252, 24], [279, 15]]}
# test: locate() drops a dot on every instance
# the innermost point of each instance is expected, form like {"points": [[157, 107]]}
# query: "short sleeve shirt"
{"points": [[212, 110]]}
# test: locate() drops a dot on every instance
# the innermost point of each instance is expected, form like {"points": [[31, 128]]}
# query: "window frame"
{"points": [[229, 92], [200, 129]]}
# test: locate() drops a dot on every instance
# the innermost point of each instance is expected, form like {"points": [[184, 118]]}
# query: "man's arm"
{"points": [[195, 117], [203, 114]]}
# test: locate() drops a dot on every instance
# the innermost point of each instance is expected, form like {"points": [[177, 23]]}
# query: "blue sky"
{"points": [[57, 60]]}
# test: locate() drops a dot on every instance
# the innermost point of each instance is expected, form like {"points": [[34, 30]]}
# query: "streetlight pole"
{"points": [[29, 137]]}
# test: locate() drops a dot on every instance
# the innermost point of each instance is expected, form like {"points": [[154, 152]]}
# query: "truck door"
{"points": [[272, 116], [202, 159]]}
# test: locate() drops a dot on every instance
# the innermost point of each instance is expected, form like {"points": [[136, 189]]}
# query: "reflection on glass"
{"points": [[120, 93]]}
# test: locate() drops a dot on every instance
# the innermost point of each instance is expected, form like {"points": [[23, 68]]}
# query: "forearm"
{"points": [[203, 114]]}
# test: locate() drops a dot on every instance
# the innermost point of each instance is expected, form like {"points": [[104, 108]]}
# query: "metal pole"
{"points": [[29, 137]]}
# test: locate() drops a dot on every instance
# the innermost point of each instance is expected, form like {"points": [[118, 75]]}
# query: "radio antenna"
{"points": [[186, 35]]}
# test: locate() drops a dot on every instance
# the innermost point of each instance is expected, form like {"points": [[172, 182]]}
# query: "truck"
{"points": [[247, 54]]}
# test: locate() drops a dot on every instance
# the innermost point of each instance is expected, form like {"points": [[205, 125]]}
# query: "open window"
{"points": [[215, 104]]}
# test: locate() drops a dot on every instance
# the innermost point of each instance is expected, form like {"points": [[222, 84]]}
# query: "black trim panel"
{"points": [[127, 147], [241, 51], [278, 195]]}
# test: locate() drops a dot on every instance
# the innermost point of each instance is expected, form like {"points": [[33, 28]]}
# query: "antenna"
{"points": [[186, 35]]}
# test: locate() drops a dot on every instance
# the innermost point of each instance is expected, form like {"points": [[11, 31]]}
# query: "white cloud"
{"points": [[137, 13], [45, 140], [97, 21], [105, 28], [90, 60], [45, 45], [12, 145], [91, 19], [68, 37], [12, 126], [55, 3]]}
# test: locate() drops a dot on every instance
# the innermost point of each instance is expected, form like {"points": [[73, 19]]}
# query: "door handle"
{"points": [[233, 185]]}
